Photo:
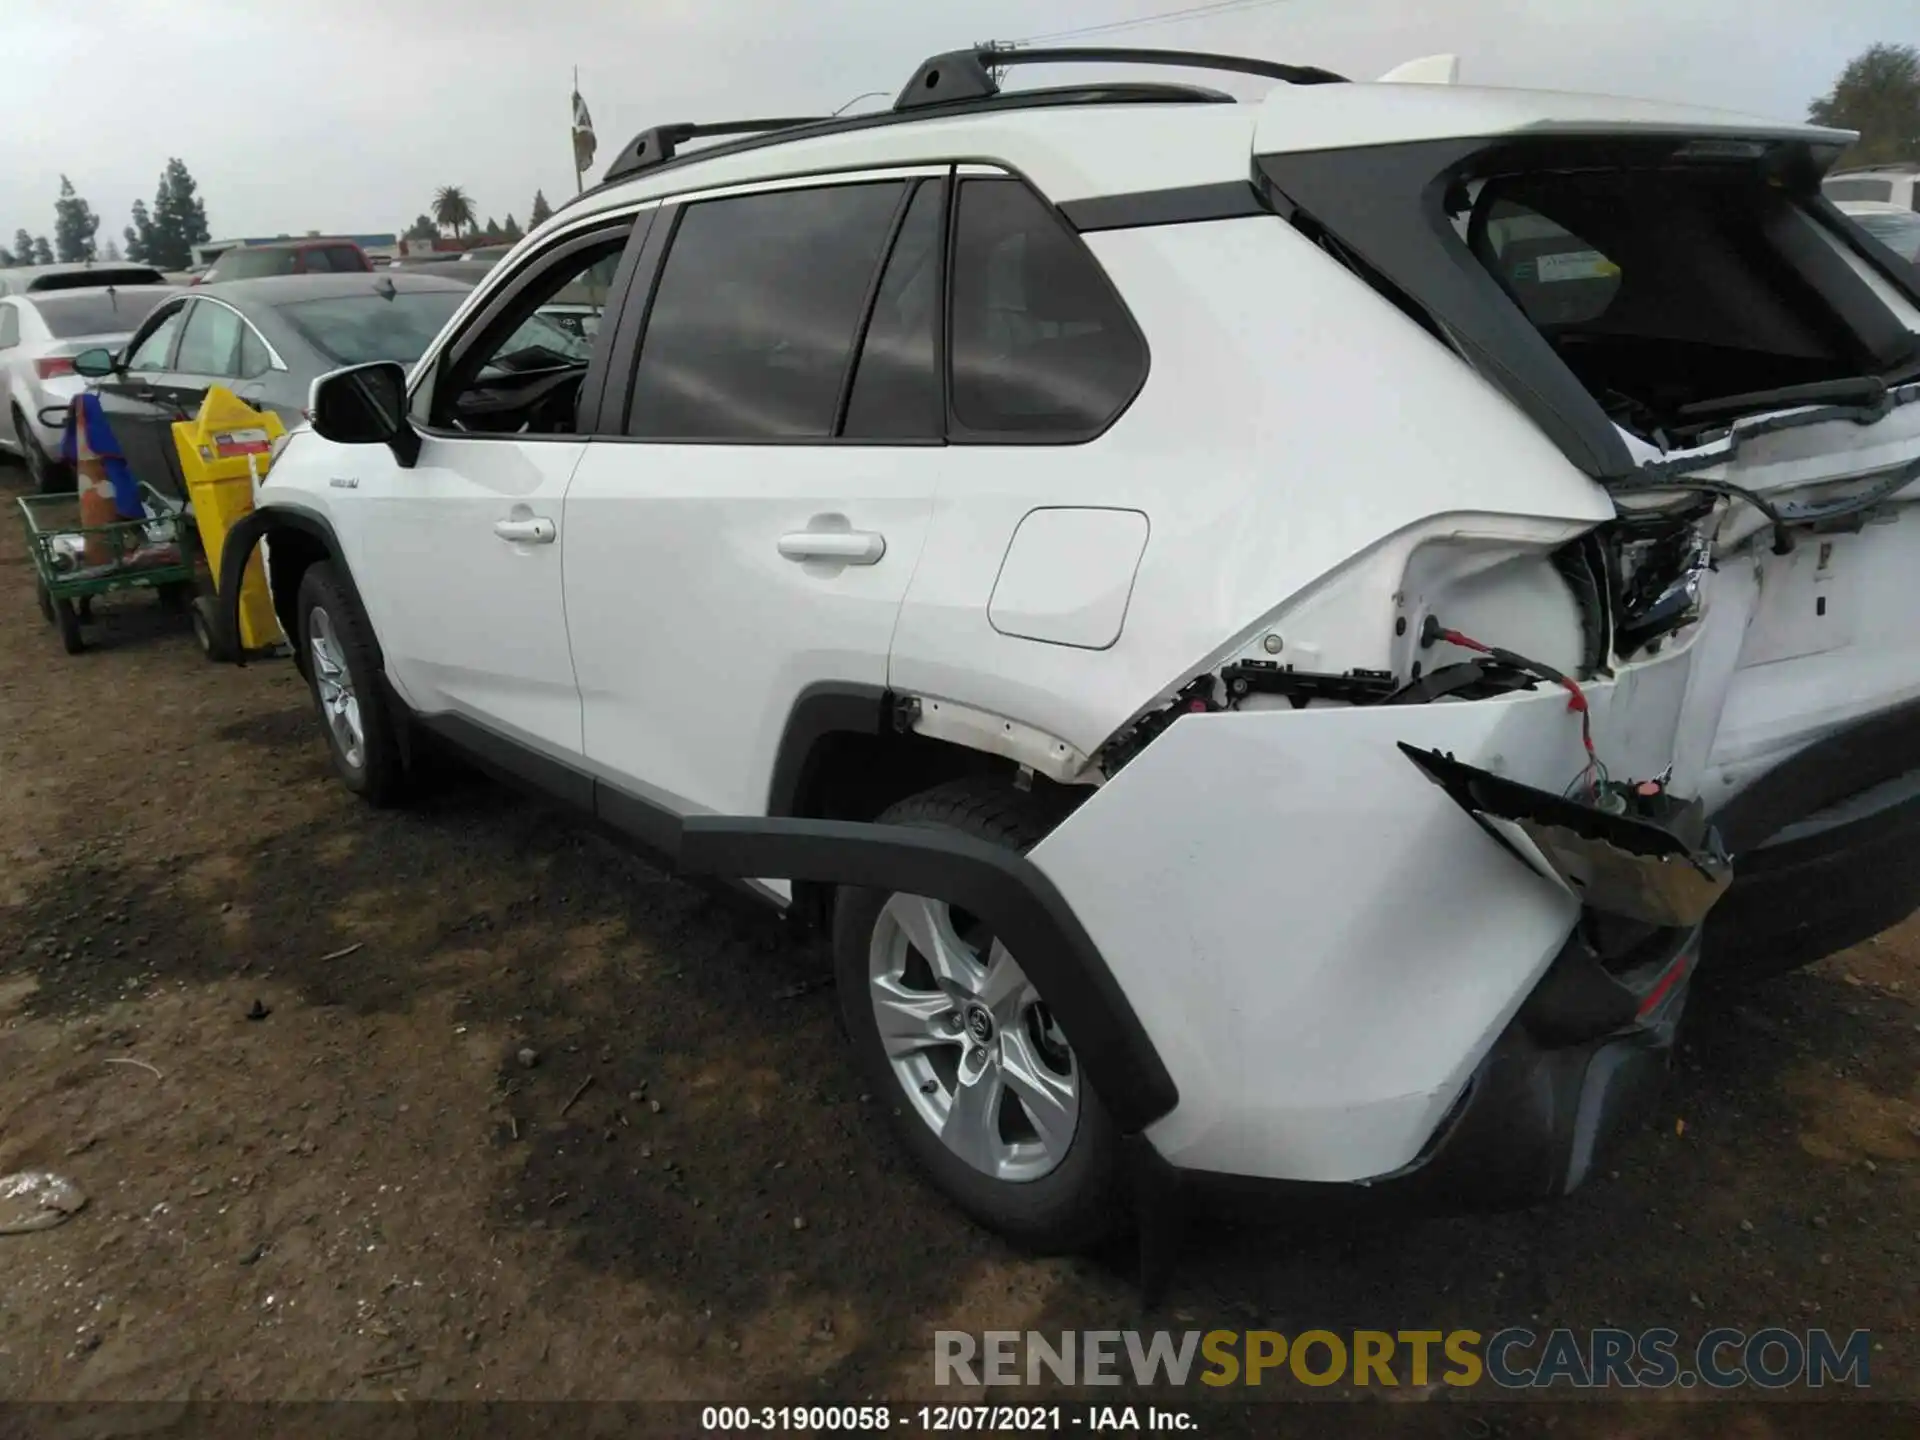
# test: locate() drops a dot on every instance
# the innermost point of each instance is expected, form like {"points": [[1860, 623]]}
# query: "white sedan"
{"points": [[40, 333]]}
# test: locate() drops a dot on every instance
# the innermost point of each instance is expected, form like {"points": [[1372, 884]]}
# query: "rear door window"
{"points": [[210, 342], [155, 349], [757, 311], [1042, 347]]}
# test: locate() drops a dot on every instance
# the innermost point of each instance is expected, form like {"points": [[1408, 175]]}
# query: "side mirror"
{"points": [[95, 364], [365, 405]]}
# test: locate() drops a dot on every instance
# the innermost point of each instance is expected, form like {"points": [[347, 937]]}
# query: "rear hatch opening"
{"points": [[1635, 294]]}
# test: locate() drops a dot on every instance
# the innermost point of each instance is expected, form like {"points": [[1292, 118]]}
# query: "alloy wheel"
{"points": [[339, 706], [973, 1045]]}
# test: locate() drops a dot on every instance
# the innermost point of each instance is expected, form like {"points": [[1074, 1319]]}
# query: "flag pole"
{"points": [[579, 179]]}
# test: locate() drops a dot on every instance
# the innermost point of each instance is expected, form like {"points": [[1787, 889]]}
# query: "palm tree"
{"points": [[453, 209]]}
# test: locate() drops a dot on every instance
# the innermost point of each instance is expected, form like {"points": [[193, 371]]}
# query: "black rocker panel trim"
{"points": [[1181, 205]]}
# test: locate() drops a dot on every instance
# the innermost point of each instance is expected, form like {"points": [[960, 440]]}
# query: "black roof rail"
{"points": [[968, 74], [658, 145]]}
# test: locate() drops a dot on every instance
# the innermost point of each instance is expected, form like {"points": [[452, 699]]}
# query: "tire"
{"points": [[1051, 1190], [49, 475], [337, 647], [206, 629], [68, 619]]}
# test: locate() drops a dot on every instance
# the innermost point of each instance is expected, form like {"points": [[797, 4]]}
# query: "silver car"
{"points": [[267, 340], [40, 333]]}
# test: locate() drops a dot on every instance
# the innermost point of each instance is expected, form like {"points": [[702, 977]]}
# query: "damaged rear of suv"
{"points": [[1279, 639]]}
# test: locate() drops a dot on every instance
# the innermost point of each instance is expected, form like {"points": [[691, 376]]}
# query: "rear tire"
{"points": [[983, 1088], [68, 619], [50, 476], [338, 653], [206, 629]]}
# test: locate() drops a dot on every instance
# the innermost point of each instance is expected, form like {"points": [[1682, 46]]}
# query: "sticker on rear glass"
{"points": [[1576, 265]]}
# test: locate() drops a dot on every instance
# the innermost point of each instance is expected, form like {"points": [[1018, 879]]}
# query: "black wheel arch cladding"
{"points": [[244, 537]]}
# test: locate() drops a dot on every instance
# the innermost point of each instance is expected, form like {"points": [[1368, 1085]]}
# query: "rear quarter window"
{"points": [[1838, 190], [1042, 347]]}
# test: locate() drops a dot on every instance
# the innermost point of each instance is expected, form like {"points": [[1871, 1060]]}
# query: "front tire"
{"points": [[985, 1091], [344, 680]]}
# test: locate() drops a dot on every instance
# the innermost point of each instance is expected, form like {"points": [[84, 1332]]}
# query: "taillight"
{"points": [[53, 367]]}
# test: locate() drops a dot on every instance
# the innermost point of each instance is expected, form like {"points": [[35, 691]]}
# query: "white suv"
{"points": [[1261, 629]]}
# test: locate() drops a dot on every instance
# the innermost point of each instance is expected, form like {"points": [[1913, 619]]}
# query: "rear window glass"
{"points": [[118, 312], [1557, 277], [94, 278], [1897, 230], [360, 329], [1859, 190], [252, 264]]}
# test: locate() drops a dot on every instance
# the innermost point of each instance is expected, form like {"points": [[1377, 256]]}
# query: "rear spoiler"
{"points": [[1428, 70]]}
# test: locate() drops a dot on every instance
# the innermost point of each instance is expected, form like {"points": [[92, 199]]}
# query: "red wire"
{"points": [[1576, 702]]}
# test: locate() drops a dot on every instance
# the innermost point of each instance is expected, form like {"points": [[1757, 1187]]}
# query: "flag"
{"points": [[583, 141]]}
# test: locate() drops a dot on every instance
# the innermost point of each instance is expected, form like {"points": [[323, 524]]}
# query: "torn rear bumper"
{"points": [[1541, 1113]]}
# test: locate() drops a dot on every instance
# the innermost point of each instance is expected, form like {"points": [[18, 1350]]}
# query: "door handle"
{"points": [[843, 547], [146, 394], [535, 531]]}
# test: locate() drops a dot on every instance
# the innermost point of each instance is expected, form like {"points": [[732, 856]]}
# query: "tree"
{"points": [[422, 228], [492, 230], [452, 208], [74, 225], [1878, 94], [6, 258], [511, 231], [179, 219], [22, 247], [42, 251], [139, 234], [113, 250], [542, 212]]}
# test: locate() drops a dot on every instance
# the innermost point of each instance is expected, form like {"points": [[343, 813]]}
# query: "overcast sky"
{"points": [[346, 115]]}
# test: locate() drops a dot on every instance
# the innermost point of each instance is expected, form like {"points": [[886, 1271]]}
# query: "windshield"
{"points": [[245, 263], [99, 312], [1898, 230], [360, 329]]}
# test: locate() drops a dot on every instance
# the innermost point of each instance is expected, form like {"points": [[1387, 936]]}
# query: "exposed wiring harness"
{"points": [[1595, 775]]}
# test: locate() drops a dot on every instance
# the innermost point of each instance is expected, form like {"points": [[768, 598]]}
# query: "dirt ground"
{"points": [[686, 1196]]}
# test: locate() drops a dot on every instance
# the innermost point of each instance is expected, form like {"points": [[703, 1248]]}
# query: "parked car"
{"points": [[1258, 687], [266, 340], [287, 257], [1897, 229], [575, 308], [1897, 185], [80, 275], [41, 332]]}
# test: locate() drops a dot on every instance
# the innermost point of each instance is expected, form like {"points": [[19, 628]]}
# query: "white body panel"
{"points": [[679, 596], [472, 623], [1261, 408]]}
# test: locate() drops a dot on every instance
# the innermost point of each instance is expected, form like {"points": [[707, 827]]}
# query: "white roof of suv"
{"points": [[1086, 149]]}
